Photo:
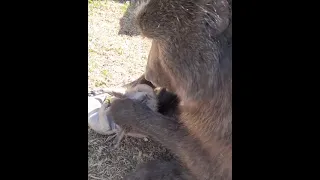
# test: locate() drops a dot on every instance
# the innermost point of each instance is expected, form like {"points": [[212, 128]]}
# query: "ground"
{"points": [[115, 59]]}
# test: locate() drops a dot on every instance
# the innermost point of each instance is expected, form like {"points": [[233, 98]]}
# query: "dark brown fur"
{"points": [[190, 56]]}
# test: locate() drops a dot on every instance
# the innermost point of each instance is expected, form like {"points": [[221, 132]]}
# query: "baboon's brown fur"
{"points": [[190, 56]]}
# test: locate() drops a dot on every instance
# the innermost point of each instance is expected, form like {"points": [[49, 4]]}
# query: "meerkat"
{"points": [[104, 123]]}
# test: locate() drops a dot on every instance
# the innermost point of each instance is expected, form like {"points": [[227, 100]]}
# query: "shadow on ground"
{"points": [[127, 22]]}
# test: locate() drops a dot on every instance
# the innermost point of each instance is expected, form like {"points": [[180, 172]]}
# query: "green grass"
{"points": [[92, 51], [119, 50], [92, 65], [125, 6], [97, 3], [105, 72], [99, 83]]}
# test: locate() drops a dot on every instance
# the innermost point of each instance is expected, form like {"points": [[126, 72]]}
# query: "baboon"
{"points": [[191, 56]]}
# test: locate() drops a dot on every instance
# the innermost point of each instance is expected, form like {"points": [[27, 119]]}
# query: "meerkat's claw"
{"points": [[115, 146], [109, 138], [118, 138], [115, 143]]}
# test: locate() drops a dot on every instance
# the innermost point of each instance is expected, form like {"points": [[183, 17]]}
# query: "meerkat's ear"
{"points": [[144, 88]]}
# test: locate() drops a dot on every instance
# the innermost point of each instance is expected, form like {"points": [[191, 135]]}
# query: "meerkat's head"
{"points": [[144, 93]]}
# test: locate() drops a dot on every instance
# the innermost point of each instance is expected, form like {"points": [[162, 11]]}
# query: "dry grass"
{"points": [[113, 61]]}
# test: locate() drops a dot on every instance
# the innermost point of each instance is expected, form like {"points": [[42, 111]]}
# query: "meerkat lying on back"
{"points": [[105, 125]]}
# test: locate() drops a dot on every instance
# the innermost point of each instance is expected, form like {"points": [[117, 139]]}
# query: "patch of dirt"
{"points": [[114, 60]]}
